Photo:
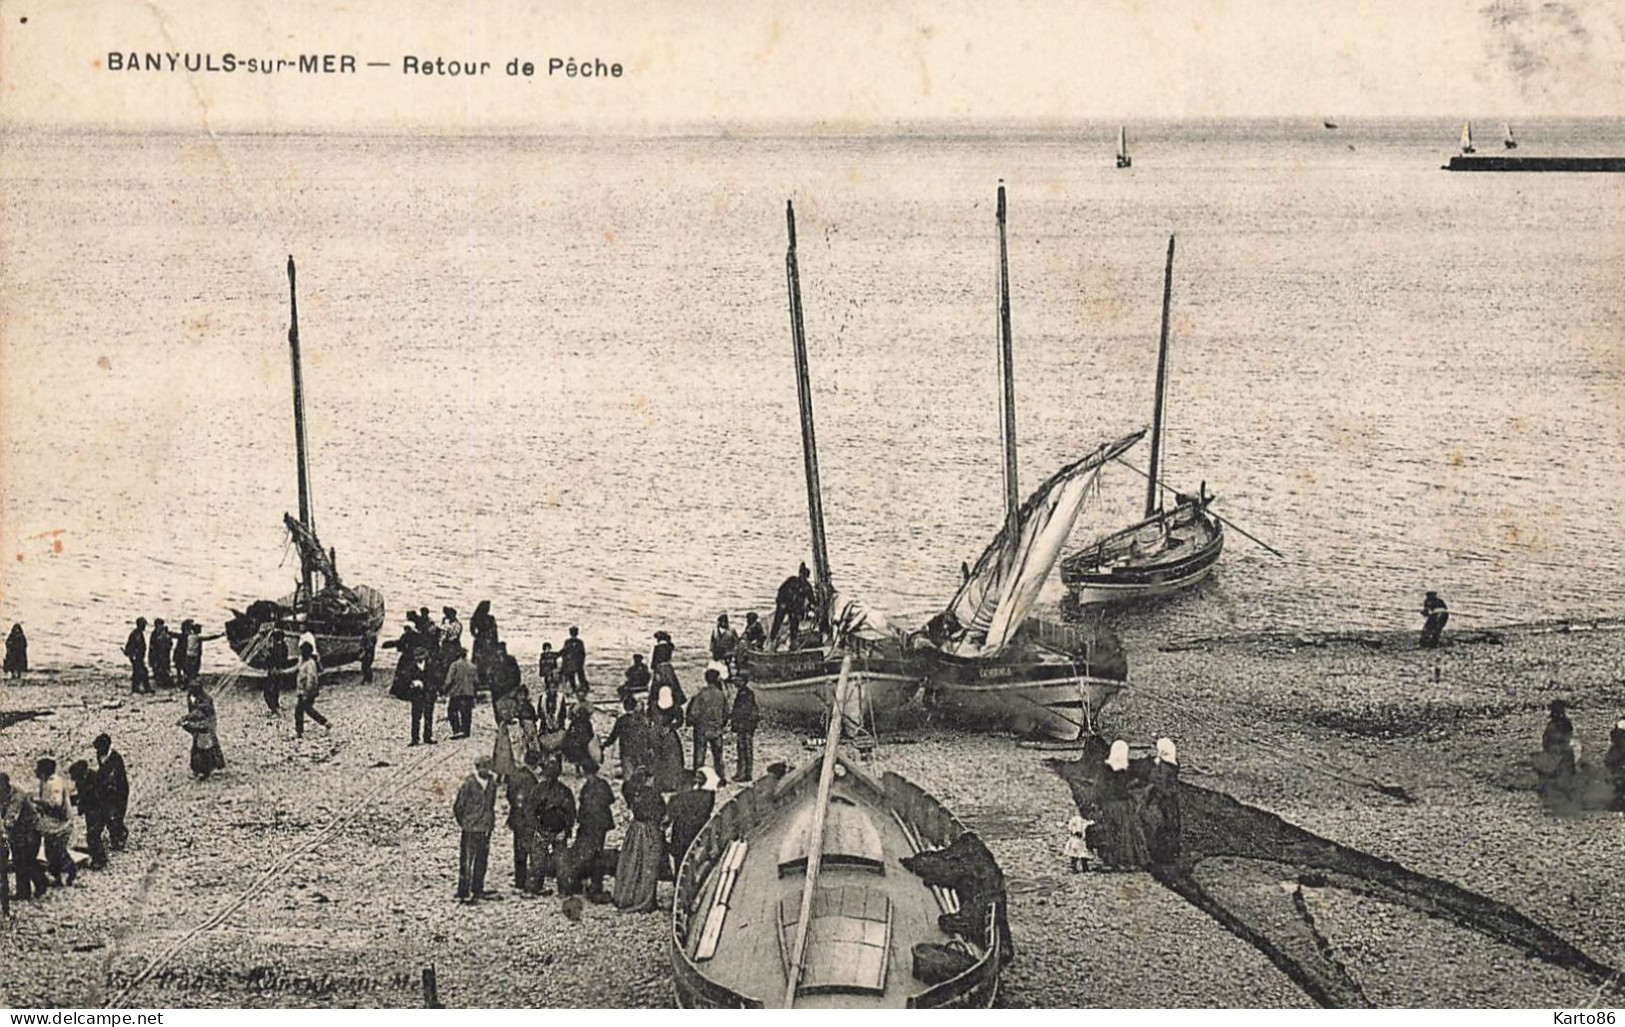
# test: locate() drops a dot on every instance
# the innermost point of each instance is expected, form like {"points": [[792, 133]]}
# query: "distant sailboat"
{"points": [[1509, 142], [1467, 137], [1329, 123], [1123, 159]]}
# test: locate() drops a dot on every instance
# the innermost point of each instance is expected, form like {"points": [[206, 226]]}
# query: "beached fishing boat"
{"points": [[1467, 137], [1168, 549], [986, 659], [1123, 158], [797, 676], [796, 894], [345, 620]]}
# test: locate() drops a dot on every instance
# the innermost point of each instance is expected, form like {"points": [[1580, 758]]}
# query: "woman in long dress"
{"points": [[1162, 804], [201, 724], [16, 651], [1123, 845], [643, 851]]}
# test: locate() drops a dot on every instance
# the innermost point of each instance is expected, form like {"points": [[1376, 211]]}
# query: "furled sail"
{"points": [[1002, 587], [314, 559]]}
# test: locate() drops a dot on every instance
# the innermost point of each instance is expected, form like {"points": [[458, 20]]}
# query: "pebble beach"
{"points": [[321, 872]]}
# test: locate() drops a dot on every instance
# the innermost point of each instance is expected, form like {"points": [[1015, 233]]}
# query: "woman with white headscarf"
{"points": [[1162, 804], [1123, 845]]}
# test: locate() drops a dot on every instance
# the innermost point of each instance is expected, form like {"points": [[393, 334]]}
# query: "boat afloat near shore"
{"points": [[345, 620], [796, 673], [1167, 550]]}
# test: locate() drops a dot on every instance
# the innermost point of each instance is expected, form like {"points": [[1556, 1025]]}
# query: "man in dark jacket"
{"points": [[135, 649], [688, 812], [594, 820], [87, 795], [278, 662], [421, 689], [23, 836], [555, 816], [475, 811], [637, 680], [522, 787], [707, 714], [1436, 615], [755, 636], [115, 783], [460, 687], [547, 665], [573, 657], [745, 717], [632, 730], [158, 652], [794, 601]]}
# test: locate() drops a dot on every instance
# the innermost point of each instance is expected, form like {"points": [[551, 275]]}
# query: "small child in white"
{"points": [[1077, 847]]}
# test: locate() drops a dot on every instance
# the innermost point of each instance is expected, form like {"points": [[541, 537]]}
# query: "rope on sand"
{"points": [[401, 778]]}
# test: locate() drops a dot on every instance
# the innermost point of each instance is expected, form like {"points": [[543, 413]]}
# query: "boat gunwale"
{"points": [[937, 827]]}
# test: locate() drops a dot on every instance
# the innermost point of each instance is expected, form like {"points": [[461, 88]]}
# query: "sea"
{"points": [[555, 372]]}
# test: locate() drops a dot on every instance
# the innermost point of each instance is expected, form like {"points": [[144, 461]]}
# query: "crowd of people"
{"points": [[166, 658], [39, 820], [558, 833]]}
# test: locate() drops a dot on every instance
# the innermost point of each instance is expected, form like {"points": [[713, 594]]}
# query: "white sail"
{"points": [[1122, 142], [1467, 137], [994, 601]]}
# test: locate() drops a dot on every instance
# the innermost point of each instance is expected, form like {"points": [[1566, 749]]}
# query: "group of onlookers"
{"points": [[39, 821], [152, 660]]}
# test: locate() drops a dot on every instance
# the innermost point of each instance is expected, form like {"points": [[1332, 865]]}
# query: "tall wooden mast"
{"points": [[1151, 504], [809, 441], [1007, 391], [305, 516]]}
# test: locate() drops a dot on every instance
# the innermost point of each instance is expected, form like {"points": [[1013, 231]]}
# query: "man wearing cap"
{"points": [[573, 657], [420, 686], [521, 786], [475, 812], [794, 600], [555, 816], [755, 636], [595, 818], [744, 716], [708, 714], [115, 783], [135, 649]]}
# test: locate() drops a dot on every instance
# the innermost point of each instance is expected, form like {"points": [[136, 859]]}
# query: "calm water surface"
{"points": [[556, 372]]}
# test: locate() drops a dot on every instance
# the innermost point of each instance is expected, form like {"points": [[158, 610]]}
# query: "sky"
{"points": [[839, 65]]}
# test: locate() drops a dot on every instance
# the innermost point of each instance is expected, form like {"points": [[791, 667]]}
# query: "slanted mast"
{"points": [[1152, 500], [809, 441], [306, 519]]}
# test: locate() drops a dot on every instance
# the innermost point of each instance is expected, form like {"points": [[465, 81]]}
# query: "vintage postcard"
{"points": [[839, 505]]}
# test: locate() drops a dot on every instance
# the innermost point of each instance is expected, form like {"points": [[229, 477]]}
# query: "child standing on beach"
{"points": [[1076, 849]]}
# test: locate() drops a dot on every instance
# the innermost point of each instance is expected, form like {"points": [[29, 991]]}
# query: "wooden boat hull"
{"points": [[746, 969], [1052, 696], [343, 632], [1108, 572], [800, 683]]}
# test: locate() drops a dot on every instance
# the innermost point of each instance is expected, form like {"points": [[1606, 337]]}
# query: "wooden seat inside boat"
{"points": [[848, 940], [850, 839]]}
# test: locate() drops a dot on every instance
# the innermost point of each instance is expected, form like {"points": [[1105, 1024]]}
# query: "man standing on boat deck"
{"points": [[475, 812], [1437, 615], [135, 648], [708, 714], [755, 636], [574, 658], [794, 602]]}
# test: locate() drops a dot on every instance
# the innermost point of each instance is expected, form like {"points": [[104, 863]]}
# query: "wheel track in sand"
{"points": [[404, 775]]}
